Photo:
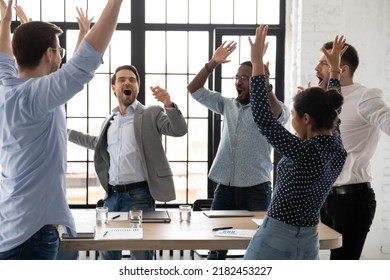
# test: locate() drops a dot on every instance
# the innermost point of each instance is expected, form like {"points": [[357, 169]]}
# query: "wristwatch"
{"points": [[270, 87]]}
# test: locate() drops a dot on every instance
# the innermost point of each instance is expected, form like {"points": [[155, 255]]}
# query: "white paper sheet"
{"points": [[121, 233]]}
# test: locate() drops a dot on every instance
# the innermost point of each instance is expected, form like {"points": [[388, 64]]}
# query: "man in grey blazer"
{"points": [[129, 158]]}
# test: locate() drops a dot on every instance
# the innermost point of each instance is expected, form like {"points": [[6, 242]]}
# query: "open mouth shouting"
{"points": [[320, 81], [127, 92]]}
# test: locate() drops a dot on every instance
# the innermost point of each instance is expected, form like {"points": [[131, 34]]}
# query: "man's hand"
{"points": [[161, 94], [21, 14]]}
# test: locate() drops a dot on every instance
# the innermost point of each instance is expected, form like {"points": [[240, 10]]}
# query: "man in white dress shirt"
{"points": [[350, 206]]}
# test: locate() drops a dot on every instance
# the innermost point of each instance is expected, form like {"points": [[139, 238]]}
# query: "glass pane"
{"points": [[196, 109], [199, 11], [228, 87], [125, 12], [198, 50], [76, 152], [77, 105], [176, 148], [177, 52], [99, 91], [155, 57], [197, 181], [155, 11], [71, 12], [153, 81], [95, 8], [76, 183], [71, 39], [95, 190], [53, 10], [197, 139], [221, 11], [245, 12], [177, 11], [177, 89], [268, 12], [32, 8], [179, 171], [120, 49]]}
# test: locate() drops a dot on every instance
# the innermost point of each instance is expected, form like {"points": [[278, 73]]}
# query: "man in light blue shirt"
{"points": [[242, 166], [33, 129]]}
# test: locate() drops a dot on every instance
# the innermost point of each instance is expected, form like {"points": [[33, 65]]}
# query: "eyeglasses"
{"points": [[242, 78], [62, 51]]}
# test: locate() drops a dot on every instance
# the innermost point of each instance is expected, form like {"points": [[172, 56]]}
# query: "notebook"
{"points": [[156, 217], [228, 213]]}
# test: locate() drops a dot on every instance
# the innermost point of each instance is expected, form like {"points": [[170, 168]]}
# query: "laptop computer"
{"points": [[82, 232], [161, 216], [228, 213]]}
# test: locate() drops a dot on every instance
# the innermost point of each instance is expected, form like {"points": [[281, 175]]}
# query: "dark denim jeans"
{"points": [[43, 245], [352, 216], [254, 198], [138, 198]]}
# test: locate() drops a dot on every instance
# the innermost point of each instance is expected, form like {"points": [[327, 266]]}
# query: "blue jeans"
{"points": [[138, 198], [254, 198], [275, 240], [43, 245]]}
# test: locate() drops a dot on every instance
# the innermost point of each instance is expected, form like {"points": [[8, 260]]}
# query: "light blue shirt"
{"points": [[243, 158], [33, 145], [125, 158]]}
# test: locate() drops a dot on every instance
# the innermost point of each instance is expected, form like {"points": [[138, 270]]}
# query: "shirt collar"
{"points": [[130, 109]]}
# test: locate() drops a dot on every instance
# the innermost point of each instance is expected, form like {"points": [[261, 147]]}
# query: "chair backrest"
{"points": [[202, 204], [100, 203]]}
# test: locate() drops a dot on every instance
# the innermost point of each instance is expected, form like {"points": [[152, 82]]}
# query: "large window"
{"points": [[169, 41]]}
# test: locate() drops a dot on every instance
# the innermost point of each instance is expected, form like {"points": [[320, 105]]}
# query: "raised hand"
{"points": [[162, 95], [258, 49], [5, 27], [83, 21], [223, 51], [6, 12], [21, 14], [333, 56]]}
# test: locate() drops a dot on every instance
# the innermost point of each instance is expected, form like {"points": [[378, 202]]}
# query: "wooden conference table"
{"points": [[176, 235]]}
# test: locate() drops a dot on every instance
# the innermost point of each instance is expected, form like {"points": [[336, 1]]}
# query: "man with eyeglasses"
{"points": [[242, 166], [33, 134]]}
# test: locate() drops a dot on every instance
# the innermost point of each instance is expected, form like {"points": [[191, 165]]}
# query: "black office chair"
{"points": [[204, 205]]}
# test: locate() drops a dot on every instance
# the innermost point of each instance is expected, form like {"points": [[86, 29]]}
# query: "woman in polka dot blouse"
{"points": [[312, 159]]}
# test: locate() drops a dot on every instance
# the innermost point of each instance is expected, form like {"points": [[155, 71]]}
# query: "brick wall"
{"points": [[366, 25]]}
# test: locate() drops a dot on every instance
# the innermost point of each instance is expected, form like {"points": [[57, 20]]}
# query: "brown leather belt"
{"points": [[350, 189], [128, 187]]}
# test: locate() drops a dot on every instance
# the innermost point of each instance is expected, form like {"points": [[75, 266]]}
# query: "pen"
{"points": [[221, 228], [104, 235], [115, 217]]}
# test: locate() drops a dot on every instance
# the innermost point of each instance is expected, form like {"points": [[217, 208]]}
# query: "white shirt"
{"points": [[125, 159], [364, 114]]}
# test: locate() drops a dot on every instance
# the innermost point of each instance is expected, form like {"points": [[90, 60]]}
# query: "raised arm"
{"points": [[220, 56], [333, 57], [100, 35], [84, 25], [5, 27], [21, 14], [258, 49]]}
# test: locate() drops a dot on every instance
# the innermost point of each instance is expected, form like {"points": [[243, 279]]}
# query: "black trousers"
{"points": [[351, 215]]}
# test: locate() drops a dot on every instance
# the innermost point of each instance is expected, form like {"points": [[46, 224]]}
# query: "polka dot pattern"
{"points": [[308, 169]]}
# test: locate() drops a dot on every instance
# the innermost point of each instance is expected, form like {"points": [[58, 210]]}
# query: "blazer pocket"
{"points": [[164, 172]]}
